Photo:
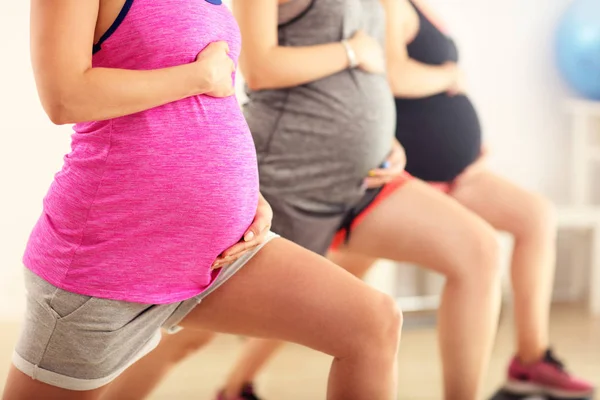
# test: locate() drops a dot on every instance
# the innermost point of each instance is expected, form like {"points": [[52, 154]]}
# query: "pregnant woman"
{"points": [[157, 209], [440, 131]]}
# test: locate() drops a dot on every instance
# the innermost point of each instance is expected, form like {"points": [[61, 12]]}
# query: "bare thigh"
{"points": [[502, 203], [289, 293], [22, 387], [421, 225], [355, 263]]}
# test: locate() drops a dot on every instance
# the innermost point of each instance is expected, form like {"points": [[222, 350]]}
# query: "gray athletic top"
{"points": [[317, 142]]}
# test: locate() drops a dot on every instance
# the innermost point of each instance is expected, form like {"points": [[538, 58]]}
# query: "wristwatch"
{"points": [[350, 53]]}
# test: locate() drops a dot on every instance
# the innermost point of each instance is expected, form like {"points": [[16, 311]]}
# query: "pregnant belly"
{"points": [[192, 196], [321, 159], [441, 136], [322, 132]]}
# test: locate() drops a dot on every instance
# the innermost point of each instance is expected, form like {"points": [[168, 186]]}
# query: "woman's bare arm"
{"points": [[409, 78], [62, 36], [266, 65]]}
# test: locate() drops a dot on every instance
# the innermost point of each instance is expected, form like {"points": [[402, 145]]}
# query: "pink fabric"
{"points": [[145, 203]]}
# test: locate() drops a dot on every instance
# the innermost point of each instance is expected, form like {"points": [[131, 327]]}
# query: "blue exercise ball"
{"points": [[578, 47]]}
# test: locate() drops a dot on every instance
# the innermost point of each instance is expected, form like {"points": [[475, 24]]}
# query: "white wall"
{"points": [[31, 152], [505, 49]]}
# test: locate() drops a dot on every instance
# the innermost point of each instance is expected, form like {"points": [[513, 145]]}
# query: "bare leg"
{"points": [[257, 352], [531, 220], [420, 225], [142, 378], [288, 293]]}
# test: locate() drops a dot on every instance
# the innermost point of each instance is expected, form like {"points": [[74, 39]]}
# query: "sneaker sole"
{"points": [[527, 388]]}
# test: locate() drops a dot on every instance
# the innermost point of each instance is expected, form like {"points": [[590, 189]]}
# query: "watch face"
{"points": [[215, 2]]}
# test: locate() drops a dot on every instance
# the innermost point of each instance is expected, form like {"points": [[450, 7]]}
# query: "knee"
{"points": [[392, 320], [383, 327], [538, 221], [478, 262]]}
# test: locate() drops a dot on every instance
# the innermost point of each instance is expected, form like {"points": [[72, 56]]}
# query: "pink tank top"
{"points": [[145, 203]]}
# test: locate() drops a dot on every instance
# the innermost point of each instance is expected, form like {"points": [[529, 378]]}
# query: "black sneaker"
{"points": [[247, 393]]}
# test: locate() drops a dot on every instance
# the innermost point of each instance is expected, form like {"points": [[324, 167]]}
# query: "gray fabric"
{"points": [[312, 230], [83, 337], [318, 141], [292, 9], [79, 342]]}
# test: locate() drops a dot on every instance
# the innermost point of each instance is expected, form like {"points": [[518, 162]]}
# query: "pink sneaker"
{"points": [[546, 377]]}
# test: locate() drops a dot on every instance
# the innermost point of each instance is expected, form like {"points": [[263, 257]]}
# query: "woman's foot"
{"points": [[546, 377], [247, 393]]}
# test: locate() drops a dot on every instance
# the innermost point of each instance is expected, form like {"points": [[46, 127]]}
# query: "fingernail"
{"points": [[371, 173], [249, 236], [386, 164], [364, 185]]}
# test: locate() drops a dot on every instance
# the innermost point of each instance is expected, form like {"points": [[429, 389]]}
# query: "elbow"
{"points": [[64, 96], [261, 71], [396, 85], [261, 77], [60, 112], [400, 78], [63, 103], [256, 81], [402, 88]]}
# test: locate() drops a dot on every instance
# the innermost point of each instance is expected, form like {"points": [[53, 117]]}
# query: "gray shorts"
{"points": [[80, 342]]}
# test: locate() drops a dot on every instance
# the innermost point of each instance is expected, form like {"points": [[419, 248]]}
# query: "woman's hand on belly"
{"points": [[391, 169], [217, 69], [460, 84], [254, 236], [369, 53]]}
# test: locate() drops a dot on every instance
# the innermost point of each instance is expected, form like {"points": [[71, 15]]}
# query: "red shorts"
{"points": [[342, 234]]}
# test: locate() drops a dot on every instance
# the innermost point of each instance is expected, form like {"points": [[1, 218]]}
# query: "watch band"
{"points": [[350, 53]]}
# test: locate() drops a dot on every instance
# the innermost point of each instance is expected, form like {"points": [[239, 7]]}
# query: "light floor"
{"points": [[300, 374]]}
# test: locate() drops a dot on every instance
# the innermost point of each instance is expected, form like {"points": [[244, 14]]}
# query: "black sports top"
{"points": [[441, 134]]}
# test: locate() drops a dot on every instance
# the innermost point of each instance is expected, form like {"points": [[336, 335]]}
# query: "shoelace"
{"points": [[550, 358]]}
